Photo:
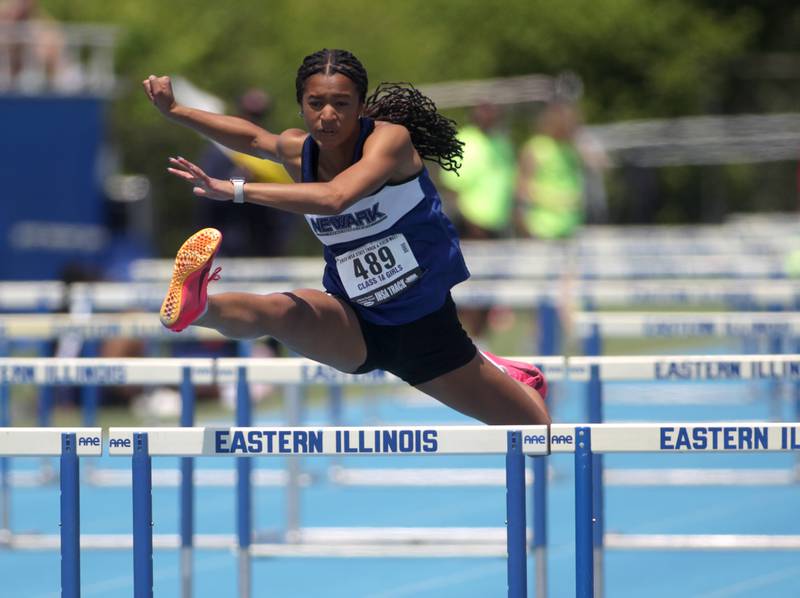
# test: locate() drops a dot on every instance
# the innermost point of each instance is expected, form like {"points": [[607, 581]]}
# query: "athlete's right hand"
{"points": [[159, 91]]}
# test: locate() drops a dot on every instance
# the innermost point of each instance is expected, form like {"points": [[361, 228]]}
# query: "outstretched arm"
{"points": [[236, 133], [388, 155]]}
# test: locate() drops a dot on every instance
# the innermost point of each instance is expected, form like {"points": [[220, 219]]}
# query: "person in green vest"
{"points": [[482, 194], [484, 186], [550, 180]]}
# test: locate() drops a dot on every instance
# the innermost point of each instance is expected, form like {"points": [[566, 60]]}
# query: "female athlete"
{"points": [[391, 255]]}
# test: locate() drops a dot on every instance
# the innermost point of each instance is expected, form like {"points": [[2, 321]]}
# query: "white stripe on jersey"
{"points": [[368, 216]]}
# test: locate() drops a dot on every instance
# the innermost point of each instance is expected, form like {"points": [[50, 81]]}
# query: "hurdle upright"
{"points": [[141, 444], [69, 444]]}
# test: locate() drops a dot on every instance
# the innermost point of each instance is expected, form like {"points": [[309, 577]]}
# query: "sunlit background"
{"points": [[83, 147], [667, 135]]}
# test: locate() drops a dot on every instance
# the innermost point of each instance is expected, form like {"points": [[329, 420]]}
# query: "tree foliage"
{"points": [[637, 58]]}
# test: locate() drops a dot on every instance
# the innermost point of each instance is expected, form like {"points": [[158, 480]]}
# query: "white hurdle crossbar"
{"points": [[541, 266], [522, 294], [32, 295], [202, 371], [684, 368], [588, 255], [69, 444], [686, 324], [143, 443], [44, 326]]}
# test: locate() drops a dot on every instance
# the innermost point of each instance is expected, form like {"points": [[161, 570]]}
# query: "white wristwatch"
{"points": [[238, 190]]}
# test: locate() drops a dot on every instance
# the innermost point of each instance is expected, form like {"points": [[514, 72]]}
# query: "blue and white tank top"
{"points": [[393, 255]]}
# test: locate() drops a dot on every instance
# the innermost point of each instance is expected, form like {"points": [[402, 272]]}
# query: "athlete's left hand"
{"points": [[203, 185]]}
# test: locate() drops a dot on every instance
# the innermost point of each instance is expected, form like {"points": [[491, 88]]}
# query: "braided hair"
{"points": [[433, 135]]}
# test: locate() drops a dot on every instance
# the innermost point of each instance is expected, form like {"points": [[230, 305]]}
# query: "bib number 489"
{"points": [[378, 271], [374, 263]]}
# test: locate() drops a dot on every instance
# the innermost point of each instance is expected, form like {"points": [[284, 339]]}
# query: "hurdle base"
{"points": [[325, 542], [701, 542]]}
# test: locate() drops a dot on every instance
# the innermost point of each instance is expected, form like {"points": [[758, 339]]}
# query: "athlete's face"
{"points": [[331, 108]]}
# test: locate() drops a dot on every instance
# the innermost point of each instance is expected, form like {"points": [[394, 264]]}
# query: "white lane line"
{"points": [[555, 553], [442, 581], [111, 587], [761, 581]]}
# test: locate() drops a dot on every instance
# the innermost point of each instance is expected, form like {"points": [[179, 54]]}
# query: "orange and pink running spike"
{"points": [[187, 296]]}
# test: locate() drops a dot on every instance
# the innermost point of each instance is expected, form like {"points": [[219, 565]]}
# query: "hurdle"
{"points": [[594, 371], [69, 444], [86, 327], [185, 373], [520, 294], [239, 371], [541, 265], [595, 251], [242, 371], [585, 441], [768, 332], [43, 371], [145, 296], [772, 326], [596, 439], [523, 294], [89, 327], [597, 371], [141, 444], [44, 326], [677, 369], [683, 324], [32, 295]]}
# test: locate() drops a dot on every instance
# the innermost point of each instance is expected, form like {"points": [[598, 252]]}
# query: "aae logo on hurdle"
{"points": [[562, 439], [534, 439], [557, 438], [89, 441]]}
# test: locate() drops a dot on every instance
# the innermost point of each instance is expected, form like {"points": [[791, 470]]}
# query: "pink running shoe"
{"points": [[526, 373], [187, 297]]}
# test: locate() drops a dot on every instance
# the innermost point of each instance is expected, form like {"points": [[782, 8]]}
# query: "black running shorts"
{"points": [[421, 350]]}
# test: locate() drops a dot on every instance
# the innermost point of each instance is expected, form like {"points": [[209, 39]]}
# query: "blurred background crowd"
{"points": [[626, 111], [565, 111]]}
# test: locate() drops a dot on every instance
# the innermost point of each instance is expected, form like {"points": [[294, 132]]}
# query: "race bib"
{"points": [[378, 271]]}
